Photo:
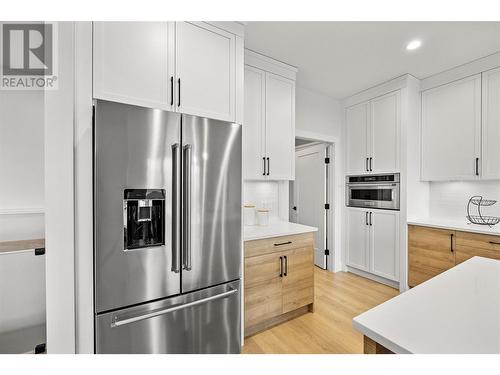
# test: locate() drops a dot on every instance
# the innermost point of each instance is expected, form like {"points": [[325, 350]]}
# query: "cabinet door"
{"points": [[263, 292], [430, 252], [205, 71], [384, 131], [357, 239], [134, 63], [451, 130], [280, 127], [254, 124], [384, 244], [491, 125], [298, 279], [357, 138]]}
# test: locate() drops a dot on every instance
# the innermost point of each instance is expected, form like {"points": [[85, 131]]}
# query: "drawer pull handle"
{"points": [[494, 243], [283, 243]]}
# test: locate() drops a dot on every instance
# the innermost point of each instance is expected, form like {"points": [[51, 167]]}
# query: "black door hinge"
{"points": [[40, 251], [40, 348], [327, 252], [327, 206], [327, 160]]}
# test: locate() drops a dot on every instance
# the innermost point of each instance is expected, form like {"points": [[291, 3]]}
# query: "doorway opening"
{"points": [[311, 195]]}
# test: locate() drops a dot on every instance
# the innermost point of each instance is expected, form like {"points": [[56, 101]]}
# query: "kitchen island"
{"points": [[457, 311]]}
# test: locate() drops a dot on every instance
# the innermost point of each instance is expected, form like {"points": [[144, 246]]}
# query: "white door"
{"points": [[309, 190], [134, 63], [384, 244], [384, 130], [491, 125], [205, 71], [357, 138], [357, 238], [254, 124], [451, 130], [280, 127]]}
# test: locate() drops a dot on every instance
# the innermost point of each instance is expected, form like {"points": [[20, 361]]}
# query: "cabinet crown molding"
{"points": [[269, 64]]}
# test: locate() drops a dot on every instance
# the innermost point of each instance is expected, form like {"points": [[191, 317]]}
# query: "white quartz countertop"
{"points": [[457, 311], [454, 224], [274, 229]]}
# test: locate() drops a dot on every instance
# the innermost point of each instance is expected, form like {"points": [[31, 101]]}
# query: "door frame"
{"points": [[335, 193]]}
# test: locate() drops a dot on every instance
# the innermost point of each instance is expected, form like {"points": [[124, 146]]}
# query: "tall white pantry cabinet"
{"points": [[188, 67]]}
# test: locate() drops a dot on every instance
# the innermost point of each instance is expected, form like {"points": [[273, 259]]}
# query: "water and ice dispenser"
{"points": [[143, 218]]}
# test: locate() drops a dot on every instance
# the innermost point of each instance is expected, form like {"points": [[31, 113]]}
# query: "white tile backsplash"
{"points": [[267, 194], [449, 199]]}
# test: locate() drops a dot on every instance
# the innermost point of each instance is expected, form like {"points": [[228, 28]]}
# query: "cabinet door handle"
{"points": [[451, 242], [371, 162], [281, 266], [477, 166], [179, 92], [366, 166], [366, 218], [172, 90], [268, 166], [264, 162], [286, 265], [371, 215], [283, 243]]}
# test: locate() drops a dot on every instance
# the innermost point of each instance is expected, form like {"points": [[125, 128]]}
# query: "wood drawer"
{"points": [[278, 244], [469, 245]]}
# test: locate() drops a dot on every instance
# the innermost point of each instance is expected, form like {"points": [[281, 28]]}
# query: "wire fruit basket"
{"points": [[479, 201]]}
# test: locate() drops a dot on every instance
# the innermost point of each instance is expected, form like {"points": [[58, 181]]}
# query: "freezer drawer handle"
{"points": [[117, 323]]}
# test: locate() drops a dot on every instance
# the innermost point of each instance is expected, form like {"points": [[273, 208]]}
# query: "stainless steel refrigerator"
{"points": [[167, 232]]}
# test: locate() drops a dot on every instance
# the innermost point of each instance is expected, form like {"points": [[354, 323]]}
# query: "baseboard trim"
{"points": [[382, 280]]}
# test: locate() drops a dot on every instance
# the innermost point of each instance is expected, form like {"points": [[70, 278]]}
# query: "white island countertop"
{"points": [[456, 224], [457, 311], [274, 229]]}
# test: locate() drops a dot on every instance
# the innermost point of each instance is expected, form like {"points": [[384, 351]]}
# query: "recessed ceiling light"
{"points": [[414, 44]]}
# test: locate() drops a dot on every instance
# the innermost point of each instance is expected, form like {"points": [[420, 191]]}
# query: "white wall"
{"points": [[449, 199], [317, 113], [21, 165]]}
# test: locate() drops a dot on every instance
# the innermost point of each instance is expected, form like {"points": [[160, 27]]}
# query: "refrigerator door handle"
{"points": [[176, 251], [186, 240], [117, 322]]}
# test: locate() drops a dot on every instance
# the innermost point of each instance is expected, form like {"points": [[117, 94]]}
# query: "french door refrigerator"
{"points": [[167, 232]]}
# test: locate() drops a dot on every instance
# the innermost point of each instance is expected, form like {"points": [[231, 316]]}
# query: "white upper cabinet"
{"points": [[490, 166], [133, 62], [384, 133], [384, 244], [280, 127], [269, 119], [254, 123], [451, 131], [205, 71], [179, 66], [357, 138], [373, 138]]}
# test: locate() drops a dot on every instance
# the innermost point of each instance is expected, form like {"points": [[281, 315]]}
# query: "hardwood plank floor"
{"points": [[338, 298]]}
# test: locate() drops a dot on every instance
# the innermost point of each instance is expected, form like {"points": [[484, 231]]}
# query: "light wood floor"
{"points": [[338, 298]]}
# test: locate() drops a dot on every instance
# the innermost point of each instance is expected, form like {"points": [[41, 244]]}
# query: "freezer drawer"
{"points": [[205, 321]]}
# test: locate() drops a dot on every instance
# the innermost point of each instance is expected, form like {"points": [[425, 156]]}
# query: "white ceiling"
{"points": [[342, 58]]}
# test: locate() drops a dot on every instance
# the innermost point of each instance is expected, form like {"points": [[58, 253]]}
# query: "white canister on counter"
{"points": [[249, 214], [263, 216]]}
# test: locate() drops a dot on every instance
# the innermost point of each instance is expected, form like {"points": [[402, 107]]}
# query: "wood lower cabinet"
{"points": [[279, 280], [432, 251]]}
